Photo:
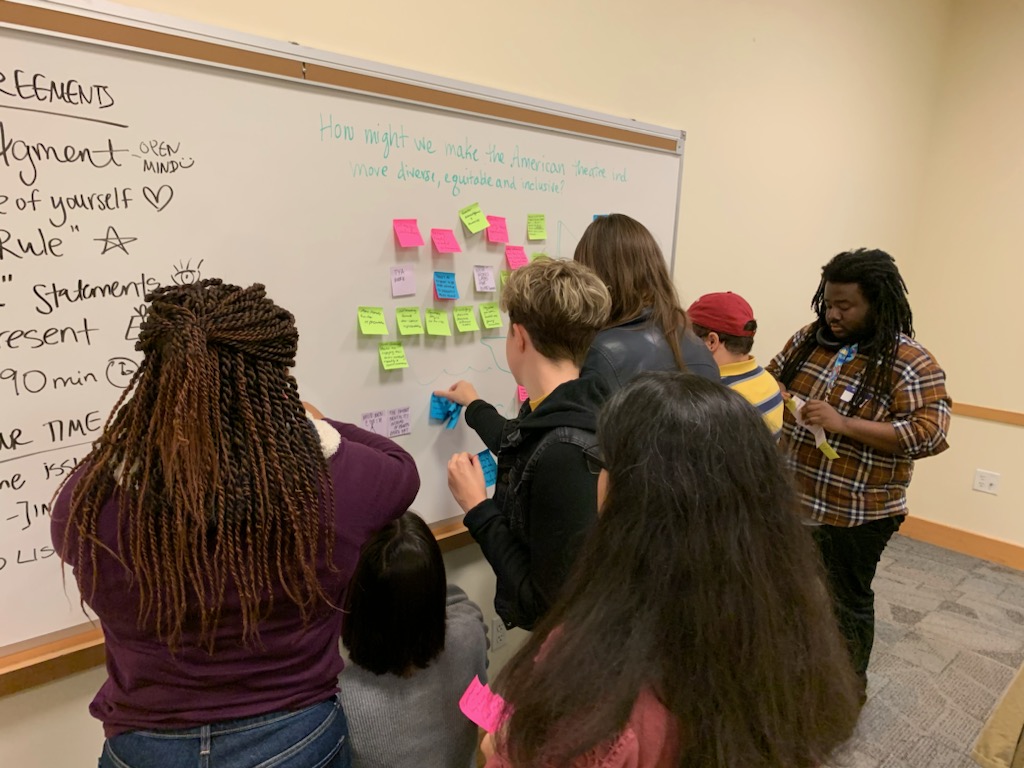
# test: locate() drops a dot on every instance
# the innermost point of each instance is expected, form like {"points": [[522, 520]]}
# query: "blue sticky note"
{"points": [[439, 407], [489, 467], [444, 285], [454, 416]]}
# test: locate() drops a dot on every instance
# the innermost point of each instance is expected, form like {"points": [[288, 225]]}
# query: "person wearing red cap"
{"points": [[726, 324]]}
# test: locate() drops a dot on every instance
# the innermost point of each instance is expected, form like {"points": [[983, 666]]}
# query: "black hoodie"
{"points": [[545, 499]]}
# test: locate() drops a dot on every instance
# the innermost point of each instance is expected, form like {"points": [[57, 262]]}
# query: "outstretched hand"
{"points": [[461, 392]]}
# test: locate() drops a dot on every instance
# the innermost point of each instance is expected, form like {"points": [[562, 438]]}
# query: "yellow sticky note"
{"points": [[409, 321], [490, 315], [473, 218], [392, 355], [465, 319], [504, 277], [371, 321], [437, 323], [536, 226]]}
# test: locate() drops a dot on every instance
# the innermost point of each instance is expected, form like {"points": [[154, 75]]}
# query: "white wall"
{"points": [[808, 127]]}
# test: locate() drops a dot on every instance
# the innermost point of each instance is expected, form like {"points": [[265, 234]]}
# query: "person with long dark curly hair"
{"points": [[879, 397], [696, 629], [213, 528]]}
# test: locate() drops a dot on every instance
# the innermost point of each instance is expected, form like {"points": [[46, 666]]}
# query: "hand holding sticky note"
{"points": [[444, 410], [795, 404]]}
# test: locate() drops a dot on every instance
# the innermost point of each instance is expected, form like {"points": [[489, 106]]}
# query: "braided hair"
{"points": [[876, 274], [216, 470]]}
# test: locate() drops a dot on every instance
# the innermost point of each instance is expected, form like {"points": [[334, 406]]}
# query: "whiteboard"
{"points": [[136, 170]]}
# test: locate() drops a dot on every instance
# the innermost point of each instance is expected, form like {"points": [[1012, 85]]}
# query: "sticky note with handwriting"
{"points": [[409, 321], [399, 421], [408, 233], [444, 241], [373, 421], [482, 706], [473, 218], [392, 355], [372, 322], [483, 276], [536, 226], [490, 315], [465, 319], [403, 281], [490, 468], [444, 286], [515, 255], [437, 322], [497, 229]]}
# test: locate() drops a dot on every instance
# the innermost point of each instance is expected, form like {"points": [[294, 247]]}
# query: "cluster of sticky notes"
{"points": [[393, 422], [490, 468], [445, 287], [444, 410]]}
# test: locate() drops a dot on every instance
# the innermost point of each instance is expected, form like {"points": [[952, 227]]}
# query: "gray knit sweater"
{"points": [[415, 722]]}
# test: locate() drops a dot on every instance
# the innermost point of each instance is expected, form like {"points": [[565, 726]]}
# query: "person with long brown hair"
{"points": [[696, 628], [647, 329], [213, 528]]}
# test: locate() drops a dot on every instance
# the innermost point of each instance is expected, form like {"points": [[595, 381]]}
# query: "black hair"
{"points": [[700, 584], [395, 604], [737, 345], [889, 315]]}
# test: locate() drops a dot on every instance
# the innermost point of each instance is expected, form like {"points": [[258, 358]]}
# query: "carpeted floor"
{"points": [[949, 638]]}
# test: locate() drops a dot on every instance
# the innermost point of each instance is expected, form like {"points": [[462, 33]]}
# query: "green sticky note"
{"points": [[504, 277], [473, 218], [535, 256], [490, 315], [371, 321], [465, 319], [392, 355], [409, 321], [437, 323], [536, 226]]}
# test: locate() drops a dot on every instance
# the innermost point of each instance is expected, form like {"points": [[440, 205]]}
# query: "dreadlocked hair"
{"points": [[216, 470], [879, 279]]}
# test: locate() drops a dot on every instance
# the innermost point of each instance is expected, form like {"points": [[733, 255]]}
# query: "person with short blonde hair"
{"points": [[545, 498]]}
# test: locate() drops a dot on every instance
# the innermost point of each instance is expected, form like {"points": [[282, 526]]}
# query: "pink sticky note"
{"points": [[482, 706], [522, 394], [444, 241], [515, 255], [408, 233], [497, 229]]}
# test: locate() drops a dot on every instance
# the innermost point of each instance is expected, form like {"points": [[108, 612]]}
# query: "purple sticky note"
{"points": [[515, 255], [482, 706], [403, 281], [497, 229], [408, 233], [444, 241]]}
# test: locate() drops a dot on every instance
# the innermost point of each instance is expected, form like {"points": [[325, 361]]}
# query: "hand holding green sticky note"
{"points": [[490, 315], [409, 321], [465, 319], [392, 355], [371, 321]]}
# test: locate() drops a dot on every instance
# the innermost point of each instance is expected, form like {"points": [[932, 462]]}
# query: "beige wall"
{"points": [[812, 127]]}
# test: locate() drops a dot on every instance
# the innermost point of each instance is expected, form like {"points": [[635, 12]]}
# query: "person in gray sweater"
{"points": [[414, 643]]}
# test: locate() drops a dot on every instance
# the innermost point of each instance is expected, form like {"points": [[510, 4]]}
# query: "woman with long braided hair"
{"points": [[213, 529]]}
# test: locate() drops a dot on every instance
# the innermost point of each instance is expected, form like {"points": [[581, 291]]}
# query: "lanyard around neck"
{"points": [[845, 355]]}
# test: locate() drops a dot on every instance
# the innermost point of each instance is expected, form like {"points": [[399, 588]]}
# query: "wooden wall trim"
{"points": [[989, 414], [965, 542]]}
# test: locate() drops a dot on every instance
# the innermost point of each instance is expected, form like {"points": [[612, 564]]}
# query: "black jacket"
{"points": [[545, 498], [620, 353]]}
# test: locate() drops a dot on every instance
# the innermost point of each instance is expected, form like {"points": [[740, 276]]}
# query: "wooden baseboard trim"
{"points": [[964, 542], [989, 414]]}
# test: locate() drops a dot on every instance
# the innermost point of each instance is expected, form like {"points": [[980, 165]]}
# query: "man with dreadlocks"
{"points": [[213, 529], [881, 399]]}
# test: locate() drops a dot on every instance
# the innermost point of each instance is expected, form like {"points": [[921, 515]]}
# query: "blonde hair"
{"points": [[561, 304]]}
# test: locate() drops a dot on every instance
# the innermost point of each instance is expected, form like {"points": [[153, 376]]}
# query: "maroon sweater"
{"points": [[148, 688]]}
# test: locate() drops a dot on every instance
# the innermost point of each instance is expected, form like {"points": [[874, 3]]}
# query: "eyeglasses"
{"points": [[595, 461]]}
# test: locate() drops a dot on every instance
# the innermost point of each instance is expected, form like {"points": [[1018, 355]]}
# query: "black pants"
{"points": [[851, 557]]}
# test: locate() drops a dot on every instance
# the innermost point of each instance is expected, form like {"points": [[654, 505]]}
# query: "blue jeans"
{"points": [[314, 737]]}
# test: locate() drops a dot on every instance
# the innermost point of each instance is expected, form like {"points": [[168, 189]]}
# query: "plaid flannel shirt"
{"points": [[864, 484]]}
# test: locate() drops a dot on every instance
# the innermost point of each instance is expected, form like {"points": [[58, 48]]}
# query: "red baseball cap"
{"points": [[723, 313]]}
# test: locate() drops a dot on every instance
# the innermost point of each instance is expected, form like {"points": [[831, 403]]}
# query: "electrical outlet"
{"points": [[498, 633], [986, 482]]}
